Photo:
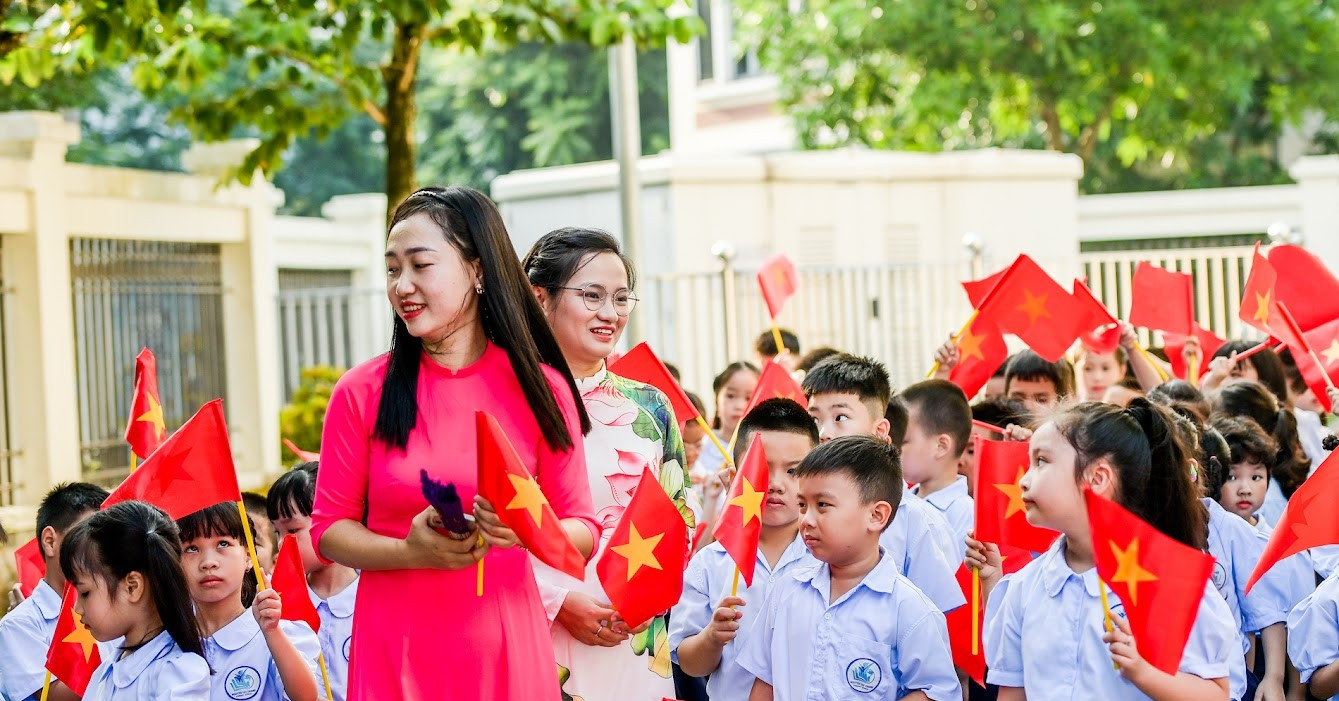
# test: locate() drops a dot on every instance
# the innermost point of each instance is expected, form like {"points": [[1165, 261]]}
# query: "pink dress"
{"points": [[423, 634]]}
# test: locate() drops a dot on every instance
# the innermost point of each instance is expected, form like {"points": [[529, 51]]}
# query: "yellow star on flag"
{"points": [[1262, 306], [155, 417], [1128, 569], [750, 500], [82, 636], [640, 552], [1332, 353], [1015, 494], [969, 346], [1034, 306], [528, 497]]}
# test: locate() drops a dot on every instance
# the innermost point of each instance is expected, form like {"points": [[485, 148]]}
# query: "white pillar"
{"points": [[1318, 179]]}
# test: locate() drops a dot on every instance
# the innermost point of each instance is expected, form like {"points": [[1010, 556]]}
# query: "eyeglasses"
{"points": [[595, 297]]}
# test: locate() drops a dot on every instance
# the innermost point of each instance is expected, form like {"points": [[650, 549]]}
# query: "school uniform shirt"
{"points": [[1297, 576], [25, 635], [883, 639], [244, 669], [1044, 627], [1236, 546], [708, 579], [1313, 630], [1311, 434], [1325, 558], [956, 506], [336, 637], [1274, 504], [919, 542], [157, 671]]}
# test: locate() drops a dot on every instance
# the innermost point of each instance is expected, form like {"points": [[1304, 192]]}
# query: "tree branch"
{"points": [[1055, 138], [1087, 143], [368, 105]]}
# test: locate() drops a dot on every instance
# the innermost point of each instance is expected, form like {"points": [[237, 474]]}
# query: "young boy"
{"points": [[764, 349], [708, 626], [939, 425], [1038, 383], [848, 397], [850, 627], [26, 632], [333, 588]]}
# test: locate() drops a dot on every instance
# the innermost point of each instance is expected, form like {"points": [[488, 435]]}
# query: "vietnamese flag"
{"points": [[1162, 299], [978, 289], [1305, 284], [1175, 344], [1159, 579], [191, 470], [1029, 304], [778, 281], [146, 428], [1284, 327], [290, 580], [1099, 331], [960, 619], [741, 520], [776, 383], [73, 655], [1309, 520], [1000, 515], [642, 365], [30, 566], [506, 483], [1324, 340], [981, 351], [642, 567], [1258, 296]]}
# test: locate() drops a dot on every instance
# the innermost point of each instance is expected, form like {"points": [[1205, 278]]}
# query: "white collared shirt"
{"points": [[1313, 630], [1236, 546], [336, 636], [920, 542], [244, 669], [157, 671], [25, 635], [708, 579], [883, 639], [955, 504]]}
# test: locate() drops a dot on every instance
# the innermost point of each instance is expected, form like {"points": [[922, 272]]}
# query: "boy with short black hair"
{"points": [[764, 348], [26, 632], [938, 428], [1038, 383], [851, 623]]}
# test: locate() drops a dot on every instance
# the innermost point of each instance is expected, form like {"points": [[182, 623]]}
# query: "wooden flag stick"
{"points": [[734, 588], [1253, 350], [1106, 611], [976, 607], [46, 685], [965, 327], [251, 547], [776, 336], [712, 435], [1152, 361], [134, 461], [325, 676], [987, 427], [479, 578], [1193, 370]]}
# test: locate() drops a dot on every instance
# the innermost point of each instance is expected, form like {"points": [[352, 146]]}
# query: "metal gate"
{"points": [[316, 321]]}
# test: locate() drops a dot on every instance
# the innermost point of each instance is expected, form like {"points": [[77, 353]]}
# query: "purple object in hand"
{"points": [[444, 498]]}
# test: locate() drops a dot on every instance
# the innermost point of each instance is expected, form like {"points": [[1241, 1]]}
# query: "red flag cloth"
{"points": [[778, 281], [740, 523], [73, 655], [1309, 288], [30, 566], [1000, 515], [776, 383], [1099, 331], [515, 494], [146, 428], [981, 351], [978, 289], [304, 455], [1309, 520], [1158, 579], [1175, 344], [642, 364], [642, 567], [1162, 299], [699, 531], [1324, 340], [1284, 327], [290, 580], [191, 470], [1029, 304], [1258, 295]]}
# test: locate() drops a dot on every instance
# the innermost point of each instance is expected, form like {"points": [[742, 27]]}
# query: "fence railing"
{"points": [[323, 326]]}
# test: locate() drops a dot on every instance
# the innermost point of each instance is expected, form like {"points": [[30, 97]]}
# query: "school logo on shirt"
{"points": [[864, 675], [348, 642], [242, 683], [1219, 576]]}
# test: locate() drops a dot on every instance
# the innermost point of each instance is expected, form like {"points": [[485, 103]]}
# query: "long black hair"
{"points": [[136, 537], [509, 312], [222, 520]]}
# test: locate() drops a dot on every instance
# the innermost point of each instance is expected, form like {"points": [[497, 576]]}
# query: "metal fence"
{"points": [[134, 294], [319, 313]]}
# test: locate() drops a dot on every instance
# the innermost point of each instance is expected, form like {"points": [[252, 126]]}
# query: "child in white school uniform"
{"points": [[253, 653], [26, 631], [1313, 643], [1044, 636], [708, 626], [125, 564], [939, 425], [333, 587], [850, 627]]}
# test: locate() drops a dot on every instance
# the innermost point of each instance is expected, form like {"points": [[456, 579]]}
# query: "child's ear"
{"points": [[1101, 478], [133, 586], [882, 428], [48, 542], [943, 445], [880, 513]]}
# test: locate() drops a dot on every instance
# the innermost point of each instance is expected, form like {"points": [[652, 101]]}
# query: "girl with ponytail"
{"points": [[125, 565]]}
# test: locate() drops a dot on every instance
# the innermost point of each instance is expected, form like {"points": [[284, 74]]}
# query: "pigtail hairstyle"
{"points": [[510, 314], [1254, 401], [133, 536]]}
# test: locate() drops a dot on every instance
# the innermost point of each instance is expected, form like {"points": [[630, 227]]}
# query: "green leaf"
{"points": [[645, 427]]}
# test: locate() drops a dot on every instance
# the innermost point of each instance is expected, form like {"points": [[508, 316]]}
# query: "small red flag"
{"points": [[642, 365], [30, 566], [290, 580], [981, 351], [304, 455], [642, 566], [960, 619], [1158, 579], [1284, 327], [1324, 340], [1305, 284], [741, 521], [1099, 331], [1000, 515], [1175, 344], [515, 494], [1258, 296], [778, 281], [191, 470], [1162, 299], [147, 428], [978, 289], [776, 383], [73, 655], [1310, 519], [1029, 304]]}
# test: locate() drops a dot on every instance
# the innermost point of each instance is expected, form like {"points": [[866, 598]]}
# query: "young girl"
{"points": [[1044, 624], [732, 389], [1289, 467], [333, 587], [254, 655], [125, 564]]}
